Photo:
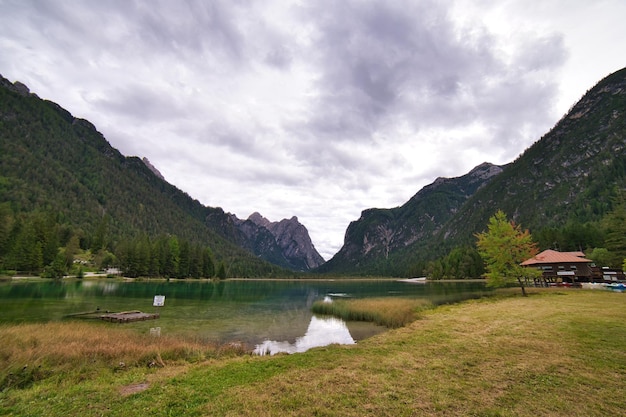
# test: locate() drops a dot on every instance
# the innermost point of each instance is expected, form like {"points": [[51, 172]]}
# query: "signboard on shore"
{"points": [[159, 301]]}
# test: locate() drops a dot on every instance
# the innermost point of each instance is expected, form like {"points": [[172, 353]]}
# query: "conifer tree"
{"points": [[615, 226], [221, 272], [208, 266]]}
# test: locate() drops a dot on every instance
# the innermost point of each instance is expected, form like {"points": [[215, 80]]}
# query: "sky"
{"points": [[317, 109]]}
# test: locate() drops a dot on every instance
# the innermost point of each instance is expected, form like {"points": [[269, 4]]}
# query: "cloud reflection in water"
{"points": [[321, 332]]}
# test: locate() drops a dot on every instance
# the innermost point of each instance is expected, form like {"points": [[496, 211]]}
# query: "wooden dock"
{"points": [[128, 316], [110, 316]]}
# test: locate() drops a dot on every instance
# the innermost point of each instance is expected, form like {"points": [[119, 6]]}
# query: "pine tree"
{"points": [[172, 257], [221, 272], [615, 237], [208, 266]]}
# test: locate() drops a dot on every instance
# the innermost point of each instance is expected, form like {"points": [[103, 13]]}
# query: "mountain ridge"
{"points": [[294, 240], [55, 163], [570, 176], [567, 178], [379, 232]]}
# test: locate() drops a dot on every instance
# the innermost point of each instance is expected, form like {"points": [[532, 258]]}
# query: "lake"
{"points": [[269, 316]]}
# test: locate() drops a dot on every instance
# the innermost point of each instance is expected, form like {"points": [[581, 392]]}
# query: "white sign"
{"points": [[159, 301]]}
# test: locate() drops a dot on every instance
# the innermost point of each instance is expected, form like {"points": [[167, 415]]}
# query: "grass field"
{"points": [[556, 353]]}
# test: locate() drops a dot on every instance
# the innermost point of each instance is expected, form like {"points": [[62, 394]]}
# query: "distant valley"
{"points": [[60, 170]]}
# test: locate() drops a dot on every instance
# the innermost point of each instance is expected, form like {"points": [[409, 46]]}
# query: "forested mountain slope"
{"points": [[560, 188], [380, 233], [53, 163], [571, 175]]}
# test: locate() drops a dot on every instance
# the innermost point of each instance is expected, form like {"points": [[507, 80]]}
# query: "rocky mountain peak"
{"points": [[293, 239], [259, 220], [286, 243], [17, 86], [152, 168], [485, 171]]}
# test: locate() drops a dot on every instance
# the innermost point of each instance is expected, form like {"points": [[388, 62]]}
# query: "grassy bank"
{"points": [[560, 353], [76, 351]]}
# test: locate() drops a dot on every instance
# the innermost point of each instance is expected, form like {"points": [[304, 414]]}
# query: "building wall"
{"points": [[566, 272]]}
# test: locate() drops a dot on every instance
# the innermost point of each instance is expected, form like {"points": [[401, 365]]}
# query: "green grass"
{"points": [[557, 353]]}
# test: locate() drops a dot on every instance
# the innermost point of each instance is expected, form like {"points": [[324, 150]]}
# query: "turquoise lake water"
{"points": [[268, 316]]}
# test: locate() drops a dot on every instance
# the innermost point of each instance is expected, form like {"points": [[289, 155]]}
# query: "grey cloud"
{"points": [[194, 31], [546, 52], [380, 62], [371, 55], [279, 57], [140, 102], [202, 27], [196, 87]]}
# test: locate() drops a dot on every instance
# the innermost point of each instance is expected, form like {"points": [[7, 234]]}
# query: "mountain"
{"points": [[569, 178], [285, 243], [61, 166], [152, 168], [572, 174], [381, 232], [294, 241]]}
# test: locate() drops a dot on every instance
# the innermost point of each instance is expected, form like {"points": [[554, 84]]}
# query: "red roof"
{"points": [[554, 257]]}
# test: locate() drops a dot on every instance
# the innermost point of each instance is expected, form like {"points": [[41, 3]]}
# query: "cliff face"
{"points": [[380, 232], [293, 239], [285, 243], [152, 168]]}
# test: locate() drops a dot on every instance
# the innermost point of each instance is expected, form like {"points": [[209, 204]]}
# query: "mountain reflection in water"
{"points": [[321, 332]]}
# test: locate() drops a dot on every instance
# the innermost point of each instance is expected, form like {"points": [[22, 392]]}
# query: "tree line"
{"points": [[604, 242], [37, 244], [165, 256]]}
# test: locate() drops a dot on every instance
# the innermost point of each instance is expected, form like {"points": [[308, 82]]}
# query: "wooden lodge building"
{"points": [[570, 267]]}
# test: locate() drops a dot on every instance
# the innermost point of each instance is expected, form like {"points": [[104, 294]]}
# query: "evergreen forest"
{"points": [[66, 193]]}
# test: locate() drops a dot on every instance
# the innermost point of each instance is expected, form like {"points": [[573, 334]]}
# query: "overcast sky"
{"points": [[317, 109]]}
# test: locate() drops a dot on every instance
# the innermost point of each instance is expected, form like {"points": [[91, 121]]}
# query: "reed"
{"points": [[32, 352], [390, 312]]}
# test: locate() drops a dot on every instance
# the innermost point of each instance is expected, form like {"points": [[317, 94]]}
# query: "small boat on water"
{"points": [[616, 286], [417, 280]]}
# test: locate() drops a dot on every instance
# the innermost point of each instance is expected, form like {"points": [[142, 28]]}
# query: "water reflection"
{"points": [[321, 332], [243, 311]]}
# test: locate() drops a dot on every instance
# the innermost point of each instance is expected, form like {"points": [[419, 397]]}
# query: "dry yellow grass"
{"points": [[392, 312], [30, 352]]}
